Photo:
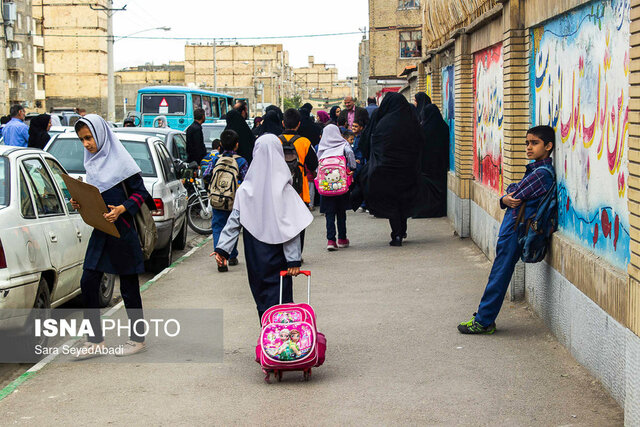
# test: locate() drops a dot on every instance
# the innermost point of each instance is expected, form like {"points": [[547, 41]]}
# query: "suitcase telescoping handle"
{"points": [[306, 273]]}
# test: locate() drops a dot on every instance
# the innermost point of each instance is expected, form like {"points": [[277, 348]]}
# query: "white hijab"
{"points": [[270, 209], [332, 143], [112, 164]]}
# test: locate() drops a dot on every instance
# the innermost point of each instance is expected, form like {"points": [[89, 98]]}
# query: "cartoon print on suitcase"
{"points": [[285, 341]]}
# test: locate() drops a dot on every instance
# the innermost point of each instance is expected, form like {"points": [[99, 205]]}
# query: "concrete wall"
{"points": [[574, 65]]}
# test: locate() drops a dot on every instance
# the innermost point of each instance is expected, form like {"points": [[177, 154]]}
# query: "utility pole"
{"points": [[215, 68], [111, 83]]}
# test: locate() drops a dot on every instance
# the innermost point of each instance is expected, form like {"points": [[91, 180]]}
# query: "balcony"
{"points": [[18, 94], [15, 64]]}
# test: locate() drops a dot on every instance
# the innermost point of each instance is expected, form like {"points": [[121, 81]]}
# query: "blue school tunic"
{"points": [[122, 256]]}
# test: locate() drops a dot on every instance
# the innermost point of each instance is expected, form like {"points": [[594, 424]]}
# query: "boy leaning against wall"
{"points": [[538, 179]]}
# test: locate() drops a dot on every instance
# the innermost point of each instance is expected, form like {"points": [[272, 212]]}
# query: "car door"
{"points": [[175, 187], [179, 148], [59, 231], [82, 230]]}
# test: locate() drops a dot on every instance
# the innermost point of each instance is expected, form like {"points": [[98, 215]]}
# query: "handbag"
{"points": [[145, 228]]}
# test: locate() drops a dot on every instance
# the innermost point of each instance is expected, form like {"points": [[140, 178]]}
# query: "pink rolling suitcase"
{"points": [[289, 340]]}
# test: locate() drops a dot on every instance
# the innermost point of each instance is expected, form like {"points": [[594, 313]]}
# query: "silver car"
{"points": [[43, 240], [160, 179]]}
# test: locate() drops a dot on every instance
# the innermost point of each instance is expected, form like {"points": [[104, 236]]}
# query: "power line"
{"points": [[199, 38]]}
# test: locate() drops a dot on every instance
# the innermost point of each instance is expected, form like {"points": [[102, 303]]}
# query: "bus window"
{"points": [[223, 107], [214, 106], [206, 105], [175, 104], [197, 101]]}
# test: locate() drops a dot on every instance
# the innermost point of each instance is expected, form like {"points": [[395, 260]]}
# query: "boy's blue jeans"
{"points": [[218, 221], [507, 254]]}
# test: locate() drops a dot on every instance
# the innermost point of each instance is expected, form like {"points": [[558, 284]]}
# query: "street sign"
{"points": [[164, 102]]}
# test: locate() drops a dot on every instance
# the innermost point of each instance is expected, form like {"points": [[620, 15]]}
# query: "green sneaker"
{"points": [[473, 327]]}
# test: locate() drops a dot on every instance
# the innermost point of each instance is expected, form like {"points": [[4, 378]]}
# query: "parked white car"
{"points": [[160, 179], [43, 240]]}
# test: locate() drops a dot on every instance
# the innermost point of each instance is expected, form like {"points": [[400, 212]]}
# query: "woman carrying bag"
{"points": [[113, 171]]}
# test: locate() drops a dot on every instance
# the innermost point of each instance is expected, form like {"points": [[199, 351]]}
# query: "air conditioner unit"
{"points": [[9, 32], [16, 54], [9, 12]]}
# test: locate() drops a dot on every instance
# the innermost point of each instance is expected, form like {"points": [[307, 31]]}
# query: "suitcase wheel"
{"points": [[278, 375], [267, 376], [306, 374]]}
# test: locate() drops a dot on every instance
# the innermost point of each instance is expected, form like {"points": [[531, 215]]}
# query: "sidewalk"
{"points": [[394, 355]]}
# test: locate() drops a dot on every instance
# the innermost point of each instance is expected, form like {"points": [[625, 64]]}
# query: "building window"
{"points": [[410, 44], [408, 4]]}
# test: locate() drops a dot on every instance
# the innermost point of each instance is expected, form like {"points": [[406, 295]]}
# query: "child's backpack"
{"points": [[277, 349], [534, 238], [291, 157], [333, 176], [224, 183]]}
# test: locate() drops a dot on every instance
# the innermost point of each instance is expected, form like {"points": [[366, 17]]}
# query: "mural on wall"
{"points": [[581, 88], [448, 111], [487, 108]]}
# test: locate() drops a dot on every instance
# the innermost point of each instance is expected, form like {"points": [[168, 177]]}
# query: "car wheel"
{"points": [[27, 343], [107, 283], [180, 242], [43, 297], [161, 259]]}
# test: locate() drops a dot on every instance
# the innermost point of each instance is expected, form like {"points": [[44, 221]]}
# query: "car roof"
{"points": [[10, 151], [122, 135], [147, 130]]}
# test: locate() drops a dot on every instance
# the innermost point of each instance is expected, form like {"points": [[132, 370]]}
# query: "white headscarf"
{"points": [[158, 119], [112, 163], [270, 209], [332, 143]]}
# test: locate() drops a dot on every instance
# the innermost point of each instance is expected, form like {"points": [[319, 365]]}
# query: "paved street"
{"points": [[394, 355]]}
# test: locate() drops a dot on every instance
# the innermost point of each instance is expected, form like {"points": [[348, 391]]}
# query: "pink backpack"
{"points": [[289, 340], [333, 176]]}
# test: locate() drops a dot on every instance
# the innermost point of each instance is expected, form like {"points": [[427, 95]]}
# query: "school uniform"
{"points": [[335, 208], [112, 170], [531, 189], [272, 216]]}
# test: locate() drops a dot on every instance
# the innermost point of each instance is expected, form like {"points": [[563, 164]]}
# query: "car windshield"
{"points": [[4, 182], [70, 152], [150, 132], [212, 132]]}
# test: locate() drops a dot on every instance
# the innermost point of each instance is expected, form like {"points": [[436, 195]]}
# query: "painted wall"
{"points": [[448, 111], [581, 82], [488, 114]]}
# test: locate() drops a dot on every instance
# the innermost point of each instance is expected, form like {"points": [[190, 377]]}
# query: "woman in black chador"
{"points": [[434, 164], [389, 181], [236, 123]]}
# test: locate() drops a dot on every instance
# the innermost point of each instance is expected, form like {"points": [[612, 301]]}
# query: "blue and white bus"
{"points": [[177, 103]]}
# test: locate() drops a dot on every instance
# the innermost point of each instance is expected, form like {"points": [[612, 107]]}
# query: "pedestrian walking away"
{"points": [[434, 164], [113, 171], [538, 179], [337, 161], [372, 106], [271, 123], [15, 132], [196, 150], [273, 216], [39, 131], [307, 160], [388, 182], [308, 128], [225, 176], [238, 124]]}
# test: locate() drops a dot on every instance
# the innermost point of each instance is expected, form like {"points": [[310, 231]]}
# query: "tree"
{"points": [[294, 102]]}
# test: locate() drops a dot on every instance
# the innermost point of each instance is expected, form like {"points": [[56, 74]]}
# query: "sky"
{"points": [[244, 18]]}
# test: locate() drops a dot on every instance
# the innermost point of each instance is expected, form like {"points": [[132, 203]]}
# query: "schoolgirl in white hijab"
{"points": [[332, 144], [273, 215], [113, 171]]}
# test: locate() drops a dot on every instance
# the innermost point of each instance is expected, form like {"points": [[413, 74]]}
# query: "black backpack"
{"points": [[534, 237], [291, 157]]}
